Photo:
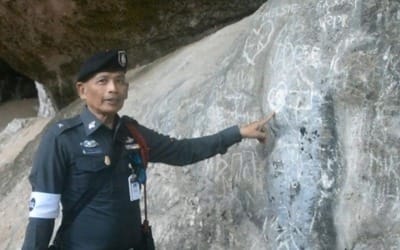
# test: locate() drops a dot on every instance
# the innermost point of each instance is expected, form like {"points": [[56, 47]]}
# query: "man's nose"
{"points": [[112, 86]]}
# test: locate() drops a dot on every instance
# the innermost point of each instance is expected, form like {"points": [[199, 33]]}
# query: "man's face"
{"points": [[104, 93]]}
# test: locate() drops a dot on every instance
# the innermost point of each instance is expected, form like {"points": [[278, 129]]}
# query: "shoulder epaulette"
{"points": [[66, 124]]}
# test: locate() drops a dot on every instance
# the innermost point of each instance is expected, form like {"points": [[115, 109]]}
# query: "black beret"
{"points": [[110, 60]]}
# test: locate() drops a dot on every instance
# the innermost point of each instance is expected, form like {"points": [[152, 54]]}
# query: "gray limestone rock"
{"points": [[329, 178]]}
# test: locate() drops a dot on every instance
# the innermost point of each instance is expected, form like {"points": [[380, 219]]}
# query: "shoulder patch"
{"points": [[64, 125]]}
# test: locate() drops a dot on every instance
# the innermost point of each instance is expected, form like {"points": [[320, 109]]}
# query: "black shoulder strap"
{"points": [[86, 197], [95, 185]]}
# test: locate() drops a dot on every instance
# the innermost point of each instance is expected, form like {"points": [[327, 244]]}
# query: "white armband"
{"points": [[44, 205]]}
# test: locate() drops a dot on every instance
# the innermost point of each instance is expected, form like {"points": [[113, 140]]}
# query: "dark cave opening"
{"points": [[18, 95], [14, 85]]}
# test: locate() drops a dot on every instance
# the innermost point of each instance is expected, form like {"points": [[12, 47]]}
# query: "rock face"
{"points": [[47, 40], [328, 177]]}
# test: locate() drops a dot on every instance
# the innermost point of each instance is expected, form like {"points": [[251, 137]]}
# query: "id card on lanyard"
{"points": [[134, 189]]}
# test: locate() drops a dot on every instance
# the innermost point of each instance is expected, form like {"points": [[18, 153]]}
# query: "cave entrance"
{"points": [[18, 95]]}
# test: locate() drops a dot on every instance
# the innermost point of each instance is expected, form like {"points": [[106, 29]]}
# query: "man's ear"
{"points": [[81, 90]]}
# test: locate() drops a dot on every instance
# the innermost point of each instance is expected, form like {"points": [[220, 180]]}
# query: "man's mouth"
{"points": [[112, 100]]}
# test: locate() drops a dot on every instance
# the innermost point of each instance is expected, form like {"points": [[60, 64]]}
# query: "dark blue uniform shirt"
{"points": [[73, 151]]}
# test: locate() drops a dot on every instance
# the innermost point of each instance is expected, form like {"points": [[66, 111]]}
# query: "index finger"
{"points": [[268, 118]]}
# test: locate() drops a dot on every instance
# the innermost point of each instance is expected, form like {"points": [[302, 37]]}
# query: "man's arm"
{"points": [[46, 179], [181, 152], [38, 234], [186, 151]]}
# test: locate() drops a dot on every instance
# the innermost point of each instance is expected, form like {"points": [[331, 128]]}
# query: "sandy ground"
{"points": [[17, 109], [13, 140]]}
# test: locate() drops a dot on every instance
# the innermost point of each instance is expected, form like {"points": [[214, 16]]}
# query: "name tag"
{"points": [[134, 189]]}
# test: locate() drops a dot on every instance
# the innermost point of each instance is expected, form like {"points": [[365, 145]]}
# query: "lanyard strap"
{"points": [[144, 153]]}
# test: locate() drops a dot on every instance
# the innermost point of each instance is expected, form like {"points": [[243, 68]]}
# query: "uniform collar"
{"points": [[90, 122]]}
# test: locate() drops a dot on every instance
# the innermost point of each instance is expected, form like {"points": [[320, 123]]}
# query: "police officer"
{"points": [[73, 151]]}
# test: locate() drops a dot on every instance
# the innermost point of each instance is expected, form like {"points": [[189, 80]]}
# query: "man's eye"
{"points": [[120, 81], [102, 81]]}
